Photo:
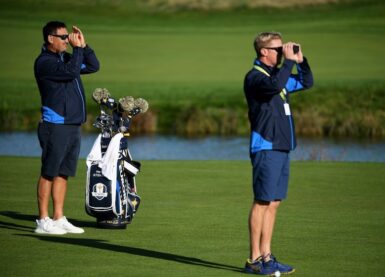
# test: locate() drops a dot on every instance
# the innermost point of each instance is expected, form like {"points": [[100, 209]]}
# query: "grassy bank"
{"points": [[193, 222], [190, 65]]}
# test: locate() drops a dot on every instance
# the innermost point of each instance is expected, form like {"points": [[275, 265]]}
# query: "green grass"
{"points": [[181, 59], [193, 222]]}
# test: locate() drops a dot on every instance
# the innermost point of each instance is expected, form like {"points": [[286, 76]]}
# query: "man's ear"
{"points": [[264, 52], [50, 39]]}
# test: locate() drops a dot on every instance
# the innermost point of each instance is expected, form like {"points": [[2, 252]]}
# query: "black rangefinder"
{"points": [[295, 49]]}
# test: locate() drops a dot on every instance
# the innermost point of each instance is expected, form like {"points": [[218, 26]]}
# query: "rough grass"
{"points": [[193, 222], [176, 5], [209, 5]]}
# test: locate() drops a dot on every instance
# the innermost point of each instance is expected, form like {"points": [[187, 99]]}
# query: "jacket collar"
{"points": [[44, 49], [264, 66]]}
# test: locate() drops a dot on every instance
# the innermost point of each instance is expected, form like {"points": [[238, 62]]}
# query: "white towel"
{"points": [[96, 153], [110, 159]]}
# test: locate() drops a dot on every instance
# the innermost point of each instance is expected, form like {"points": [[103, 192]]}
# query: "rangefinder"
{"points": [[295, 49]]}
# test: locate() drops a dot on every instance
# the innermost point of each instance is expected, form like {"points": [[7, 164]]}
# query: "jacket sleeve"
{"points": [[51, 68], [90, 62], [302, 80], [270, 85]]}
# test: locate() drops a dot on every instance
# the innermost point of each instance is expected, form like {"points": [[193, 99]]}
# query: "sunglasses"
{"points": [[278, 49], [63, 37]]}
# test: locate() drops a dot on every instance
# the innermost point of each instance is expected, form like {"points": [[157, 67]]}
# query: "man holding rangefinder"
{"points": [[267, 89], [63, 111]]}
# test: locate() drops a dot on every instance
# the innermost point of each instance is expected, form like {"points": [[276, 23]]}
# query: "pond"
{"points": [[159, 147]]}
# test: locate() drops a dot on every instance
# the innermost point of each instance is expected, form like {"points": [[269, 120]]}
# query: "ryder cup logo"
{"points": [[99, 191]]}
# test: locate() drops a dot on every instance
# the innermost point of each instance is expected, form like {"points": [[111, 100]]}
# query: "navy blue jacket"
{"points": [[60, 86], [272, 128]]}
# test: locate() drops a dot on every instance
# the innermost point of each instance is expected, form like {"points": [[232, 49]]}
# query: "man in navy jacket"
{"points": [[267, 89], [63, 110]]}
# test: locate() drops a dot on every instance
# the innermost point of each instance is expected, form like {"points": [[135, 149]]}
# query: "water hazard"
{"points": [[210, 148]]}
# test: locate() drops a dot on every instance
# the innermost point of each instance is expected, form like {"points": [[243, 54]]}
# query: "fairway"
{"points": [[193, 222], [189, 65]]}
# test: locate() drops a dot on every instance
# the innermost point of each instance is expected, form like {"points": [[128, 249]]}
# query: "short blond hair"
{"points": [[263, 39]]}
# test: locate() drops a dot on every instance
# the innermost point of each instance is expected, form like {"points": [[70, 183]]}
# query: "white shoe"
{"points": [[63, 223], [47, 226]]}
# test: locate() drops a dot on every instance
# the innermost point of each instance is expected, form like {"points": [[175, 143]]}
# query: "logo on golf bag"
{"points": [[99, 191]]}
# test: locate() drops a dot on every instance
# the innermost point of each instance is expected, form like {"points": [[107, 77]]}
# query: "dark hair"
{"points": [[50, 29]]}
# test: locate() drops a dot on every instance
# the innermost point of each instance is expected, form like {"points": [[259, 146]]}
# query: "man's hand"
{"points": [[76, 38], [288, 52]]}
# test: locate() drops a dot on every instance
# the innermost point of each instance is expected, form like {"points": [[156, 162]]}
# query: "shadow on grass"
{"points": [[104, 245], [32, 218], [18, 216]]}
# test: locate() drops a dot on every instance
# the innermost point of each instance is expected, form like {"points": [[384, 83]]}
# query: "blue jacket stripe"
{"points": [[50, 115], [293, 84], [258, 143]]}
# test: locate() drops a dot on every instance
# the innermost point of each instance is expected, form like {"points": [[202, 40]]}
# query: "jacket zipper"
{"points": [[291, 133], [81, 96]]}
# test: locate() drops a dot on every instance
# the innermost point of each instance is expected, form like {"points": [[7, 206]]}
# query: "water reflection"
{"points": [[210, 148]]}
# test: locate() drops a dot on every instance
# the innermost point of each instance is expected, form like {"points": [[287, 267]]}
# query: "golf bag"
{"points": [[111, 194]]}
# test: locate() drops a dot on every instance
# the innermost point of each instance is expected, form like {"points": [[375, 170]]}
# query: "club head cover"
{"points": [[127, 103], [100, 94], [141, 104]]}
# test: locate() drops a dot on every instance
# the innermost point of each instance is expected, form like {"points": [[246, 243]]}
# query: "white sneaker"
{"points": [[47, 226], [63, 223]]}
